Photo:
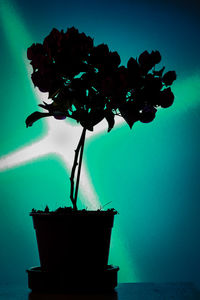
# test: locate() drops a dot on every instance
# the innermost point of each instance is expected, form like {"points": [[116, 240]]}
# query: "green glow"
{"points": [[15, 32], [187, 93], [129, 272], [18, 89]]}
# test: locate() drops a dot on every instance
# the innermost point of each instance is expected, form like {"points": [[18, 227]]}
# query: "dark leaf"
{"points": [[59, 115], [34, 117], [52, 41], [115, 58], [130, 113], [54, 110], [169, 77], [148, 114], [45, 106], [111, 62], [144, 58], [155, 57], [41, 81], [166, 98], [99, 55], [133, 72], [133, 65], [34, 51], [149, 60], [110, 117]]}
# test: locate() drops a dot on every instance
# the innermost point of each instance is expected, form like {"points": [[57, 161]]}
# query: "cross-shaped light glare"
{"points": [[61, 139]]}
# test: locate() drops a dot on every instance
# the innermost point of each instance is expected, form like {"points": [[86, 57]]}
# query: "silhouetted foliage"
{"points": [[87, 82]]}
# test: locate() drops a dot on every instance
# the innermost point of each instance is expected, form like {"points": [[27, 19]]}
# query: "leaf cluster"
{"points": [[87, 82]]}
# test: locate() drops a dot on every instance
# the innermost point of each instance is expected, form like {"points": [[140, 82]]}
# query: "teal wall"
{"points": [[151, 174]]}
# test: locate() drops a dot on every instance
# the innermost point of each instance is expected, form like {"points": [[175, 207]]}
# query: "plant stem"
{"points": [[79, 148], [79, 166]]}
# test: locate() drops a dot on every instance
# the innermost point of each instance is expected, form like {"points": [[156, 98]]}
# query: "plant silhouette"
{"points": [[88, 84]]}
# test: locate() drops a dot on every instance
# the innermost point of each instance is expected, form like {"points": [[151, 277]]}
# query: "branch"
{"points": [[79, 166], [75, 163]]}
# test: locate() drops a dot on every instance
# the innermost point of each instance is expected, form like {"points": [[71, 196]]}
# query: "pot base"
{"points": [[76, 280]]}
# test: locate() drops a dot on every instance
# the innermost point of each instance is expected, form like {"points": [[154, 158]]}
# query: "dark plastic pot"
{"points": [[74, 240], [79, 281]]}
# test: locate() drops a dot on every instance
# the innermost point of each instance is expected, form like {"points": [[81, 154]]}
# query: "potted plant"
{"points": [[87, 83]]}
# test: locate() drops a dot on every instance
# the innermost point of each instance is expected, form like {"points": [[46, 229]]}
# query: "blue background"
{"points": [[151, 174]]}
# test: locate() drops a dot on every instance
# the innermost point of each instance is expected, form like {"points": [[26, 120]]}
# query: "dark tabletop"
{"points": [[124, 291]]}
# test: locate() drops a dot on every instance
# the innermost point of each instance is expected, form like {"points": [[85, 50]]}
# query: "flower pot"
{"points": [[67, 241]]}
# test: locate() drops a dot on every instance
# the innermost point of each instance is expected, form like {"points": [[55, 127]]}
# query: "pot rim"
{"points": [[85, 213]]}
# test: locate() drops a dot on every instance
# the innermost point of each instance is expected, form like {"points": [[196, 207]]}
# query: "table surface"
{"points": [[124, 291]]}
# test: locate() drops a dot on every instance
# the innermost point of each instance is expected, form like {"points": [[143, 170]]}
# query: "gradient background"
{"points": [[151, 174]]}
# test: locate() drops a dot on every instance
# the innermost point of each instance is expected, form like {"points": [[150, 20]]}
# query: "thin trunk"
{"points": [[79, 168], [80, 147]]}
